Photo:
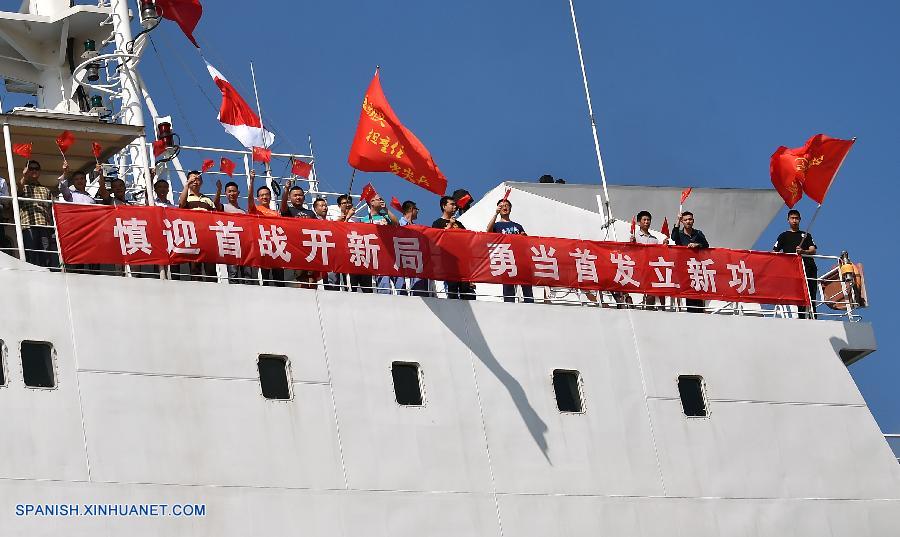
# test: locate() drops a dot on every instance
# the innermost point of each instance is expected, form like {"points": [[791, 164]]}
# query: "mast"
{"points": [[607, 210], [132, 104]]}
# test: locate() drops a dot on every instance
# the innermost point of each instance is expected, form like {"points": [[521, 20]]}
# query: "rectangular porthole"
{"points": [[567, 386], [693, 398], [407, 383], [2, 363], [38, 369], [273, 376]]}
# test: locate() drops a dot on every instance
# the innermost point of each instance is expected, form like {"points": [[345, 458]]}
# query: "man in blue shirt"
{"points": [[508, 227], [380, 216]]}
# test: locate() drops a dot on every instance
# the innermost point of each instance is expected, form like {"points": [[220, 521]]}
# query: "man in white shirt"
{"points": [[74, 189], [643, 236]]}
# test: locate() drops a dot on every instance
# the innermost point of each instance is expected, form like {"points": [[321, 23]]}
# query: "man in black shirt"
{"points": [[794, 241], [463, 290], [686, 235]]}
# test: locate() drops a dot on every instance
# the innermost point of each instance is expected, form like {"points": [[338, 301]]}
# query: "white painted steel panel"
{"points": [[41, 428], [589, 516], [439, 446], [745, 358], [608, 449], [766, 450], [151, 429], [193, 328]]}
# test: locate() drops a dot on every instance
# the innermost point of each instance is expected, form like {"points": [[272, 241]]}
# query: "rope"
{"points": [[174, 94]]}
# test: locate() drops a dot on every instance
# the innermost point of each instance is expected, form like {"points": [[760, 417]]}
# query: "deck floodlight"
{"points": [[164, 132]]}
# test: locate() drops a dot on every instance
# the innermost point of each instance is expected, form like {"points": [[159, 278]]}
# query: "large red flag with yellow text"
{"points": [[810, 168], [383, 144]]}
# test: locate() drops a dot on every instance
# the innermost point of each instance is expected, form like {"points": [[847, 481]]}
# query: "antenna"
{"points": [[587, 93]]}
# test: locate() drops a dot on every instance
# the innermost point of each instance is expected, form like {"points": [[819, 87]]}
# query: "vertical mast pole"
{"points": [[262, 126], [587, 93], [132, 107]]}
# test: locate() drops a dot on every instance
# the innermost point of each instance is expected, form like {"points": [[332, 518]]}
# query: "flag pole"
{"points": [[587, 94], [352, 176], [262, 125]]}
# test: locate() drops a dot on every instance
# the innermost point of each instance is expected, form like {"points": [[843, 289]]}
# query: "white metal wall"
{"points": [[163, 376]]}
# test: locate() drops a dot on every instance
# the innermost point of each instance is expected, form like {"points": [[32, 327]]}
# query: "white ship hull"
{"points": [[158, 401]]}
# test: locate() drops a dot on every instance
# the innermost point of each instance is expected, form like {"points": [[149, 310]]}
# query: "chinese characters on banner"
{"points": [[161, 236]]}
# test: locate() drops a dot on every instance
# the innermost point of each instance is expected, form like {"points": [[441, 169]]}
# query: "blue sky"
{"points": [[685, 93]]}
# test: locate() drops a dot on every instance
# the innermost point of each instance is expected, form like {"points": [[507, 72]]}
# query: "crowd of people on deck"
{"points": [[35, 213]]}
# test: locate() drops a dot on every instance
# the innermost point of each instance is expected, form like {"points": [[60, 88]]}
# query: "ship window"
{"points": [[407, 383], [37, 364], [693, 400], [2, 364], [567, 386], [273, 376]]}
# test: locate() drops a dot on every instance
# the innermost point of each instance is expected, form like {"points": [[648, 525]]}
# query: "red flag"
{"points": [[685, 193], [300, 168], [261, 154], [159, 147], [185, 13], [368, 192], [665, 227], [383, 144], [236, 116], [505, 194], [96, 149], [64, 141], [23, 150], [810, 168], [227, 167], [464, 201], [395, 203], [207, 165], [633, 225]]}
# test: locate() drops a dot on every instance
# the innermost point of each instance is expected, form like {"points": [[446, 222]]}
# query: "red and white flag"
{"points": [[237, 117]]}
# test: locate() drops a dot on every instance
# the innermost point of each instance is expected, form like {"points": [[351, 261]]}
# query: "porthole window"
{"points": [[407, 383], [567, 387], [693, 398], [38, 368], [274, 377], [2, 364]]}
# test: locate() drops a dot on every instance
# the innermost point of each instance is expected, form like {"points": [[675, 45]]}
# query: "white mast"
{"points": [[132, 105], [607, 210]]}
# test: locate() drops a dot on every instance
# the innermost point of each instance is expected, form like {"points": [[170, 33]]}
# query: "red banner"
{"points": [[138, 235]]}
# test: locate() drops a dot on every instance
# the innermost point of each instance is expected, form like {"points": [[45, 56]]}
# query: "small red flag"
{"points": [[207, 165], [665, 227], [464, 201], [23, 150], [368, 192], [300, 168], [395, 203], [383, 144], [505, 195], [810, 168], [185, 13], [227, 167], [685, 193], [96, 149], [633, 225], [261, 154], [64, 141], [159, 147]]}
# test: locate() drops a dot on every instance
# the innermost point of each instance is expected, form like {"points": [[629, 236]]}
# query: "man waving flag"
{"points": [[383, 144], [237, 117]]}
